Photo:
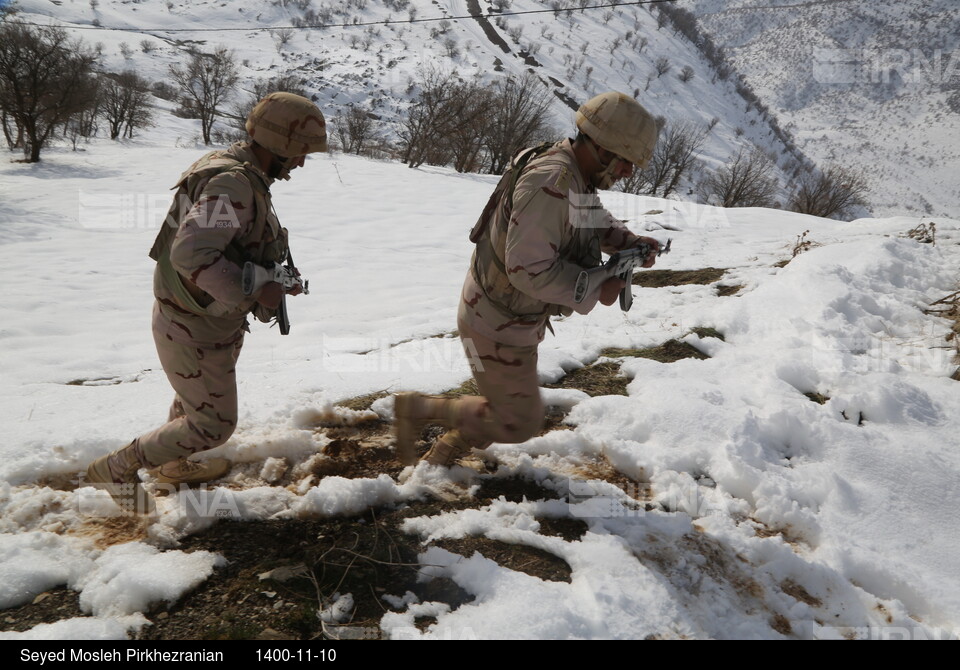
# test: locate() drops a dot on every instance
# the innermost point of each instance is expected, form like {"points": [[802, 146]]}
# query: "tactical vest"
{"points": [[272, 240], [488, 266]]}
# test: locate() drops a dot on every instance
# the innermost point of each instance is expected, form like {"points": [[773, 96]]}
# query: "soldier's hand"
{"points": [[270, 295], [610, 290], [296, 289], [654, 248]]}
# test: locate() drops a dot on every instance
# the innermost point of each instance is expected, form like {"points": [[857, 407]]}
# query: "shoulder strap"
{"points": [[506, 185]]}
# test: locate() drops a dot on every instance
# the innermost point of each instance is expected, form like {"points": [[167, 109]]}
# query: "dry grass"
{"points": [[661, 278], [948, 307], [668, 352]]}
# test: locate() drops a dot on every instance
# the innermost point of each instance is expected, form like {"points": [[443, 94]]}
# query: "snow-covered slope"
{"points": [[373, 60], [867, 84], [737, 507]]}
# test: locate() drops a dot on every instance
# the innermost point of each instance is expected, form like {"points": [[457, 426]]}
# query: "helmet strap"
{"points": [[605, 177], [279, 167]]}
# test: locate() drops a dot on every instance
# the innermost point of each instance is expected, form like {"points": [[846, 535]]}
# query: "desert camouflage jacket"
{"points": [[221, 217], [534, 246]]}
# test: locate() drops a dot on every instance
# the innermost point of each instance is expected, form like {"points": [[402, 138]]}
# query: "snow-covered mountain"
{"points": [[372, 51], [873, 84]]}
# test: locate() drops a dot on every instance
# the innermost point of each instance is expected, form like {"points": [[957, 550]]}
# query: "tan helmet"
{"points": [[620, 124], [287, 125]]}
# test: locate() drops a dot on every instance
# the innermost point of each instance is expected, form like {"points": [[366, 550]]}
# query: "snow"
{"points": [[751, 481], [769, 516]]}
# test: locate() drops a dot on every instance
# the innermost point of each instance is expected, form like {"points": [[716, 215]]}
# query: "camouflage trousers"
{"points": [[509, 410], [204, 410]]}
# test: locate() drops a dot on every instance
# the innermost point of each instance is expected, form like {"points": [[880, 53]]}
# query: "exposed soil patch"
{"points": [[280, 573], [726, 291], [668, 352], [595, 380], [818, 398], [532, 561], [797, 592], [661, 278], [362, 402]]}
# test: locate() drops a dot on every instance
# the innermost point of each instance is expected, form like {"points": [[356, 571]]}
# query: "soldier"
{"points": [[221, 218], [541, 227]]}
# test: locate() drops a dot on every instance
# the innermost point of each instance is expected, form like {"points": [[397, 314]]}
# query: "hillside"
{"points": [[372, 53], [873, 84]]}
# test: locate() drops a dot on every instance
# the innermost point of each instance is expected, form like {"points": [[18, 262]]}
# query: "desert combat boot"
{"points": [[117, 474], [447, 450], [412, 412], [190, 473]]}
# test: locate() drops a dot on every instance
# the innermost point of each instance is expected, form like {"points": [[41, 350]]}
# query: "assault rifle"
{"points": [[621, 264], [255, 276]]}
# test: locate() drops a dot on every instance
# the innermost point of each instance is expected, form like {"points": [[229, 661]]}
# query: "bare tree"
{"points": [[662, 66], [12, 130], [673, 157], [206, 83], [518, 119], [831, 193], [125, 103], [747, 182], [45, 80], [434, 118], [281, 36], [686, 74], [84, 122], [473, 104], [238, 113], [356, 130]]}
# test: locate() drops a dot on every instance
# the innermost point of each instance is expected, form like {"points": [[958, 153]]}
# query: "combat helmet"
{"points": [[620, 124], [287, 125]]}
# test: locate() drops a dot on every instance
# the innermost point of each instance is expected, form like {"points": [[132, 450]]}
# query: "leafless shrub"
{"points": [[925, 233], [833, 192], [746, 182], [673, 157], [356, 130], [281, 37], [662, 66], [803, 244]]}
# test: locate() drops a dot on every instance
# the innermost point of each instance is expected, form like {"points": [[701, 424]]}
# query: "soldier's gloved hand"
{"points": [[610, 290], [654, 248], [270, 295]]}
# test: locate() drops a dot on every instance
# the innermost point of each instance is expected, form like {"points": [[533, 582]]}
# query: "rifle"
{"points": [[255, 276], [621, 264]]}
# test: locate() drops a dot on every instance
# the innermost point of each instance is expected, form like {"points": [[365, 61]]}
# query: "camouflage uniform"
{"points": [[530, 250], [221, 217]]}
